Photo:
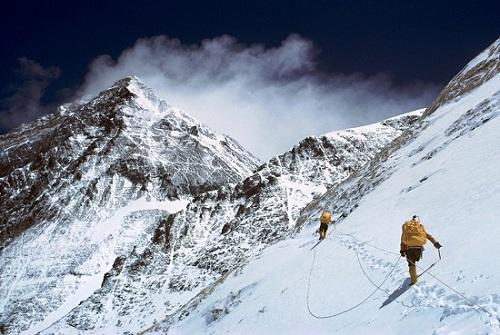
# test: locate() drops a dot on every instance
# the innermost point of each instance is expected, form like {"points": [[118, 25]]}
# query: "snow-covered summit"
{"points": [[142, 94], [137, 87], [102, 196], [83, 185]]}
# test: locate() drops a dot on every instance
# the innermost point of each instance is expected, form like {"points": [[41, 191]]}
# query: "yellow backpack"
{"points": [[414, 234], [325, 217]]}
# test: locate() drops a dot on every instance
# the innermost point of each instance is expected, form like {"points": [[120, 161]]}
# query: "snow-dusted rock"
{"points": [[86, 184], [445, 170], [221, 230]]}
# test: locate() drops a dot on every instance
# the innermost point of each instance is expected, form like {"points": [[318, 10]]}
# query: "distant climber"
{"points": [[413, 239], [325, 219]]}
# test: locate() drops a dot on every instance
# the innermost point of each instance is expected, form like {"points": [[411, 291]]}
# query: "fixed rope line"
{"points": [[432, 265], [384, 291], [359, 261], [482, 308], [366, 275], [470, 301], [363, 269], [350, 308]]}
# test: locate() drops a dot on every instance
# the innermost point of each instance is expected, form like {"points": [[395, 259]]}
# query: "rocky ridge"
{"points": [[221, 230], [91, 181]]}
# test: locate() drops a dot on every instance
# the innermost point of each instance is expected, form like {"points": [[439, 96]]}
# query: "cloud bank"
{"points": [[266, 98], [24, 105]]}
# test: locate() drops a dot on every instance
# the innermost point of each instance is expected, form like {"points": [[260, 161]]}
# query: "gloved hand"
{"points": [[437, 245], [403, 253]]}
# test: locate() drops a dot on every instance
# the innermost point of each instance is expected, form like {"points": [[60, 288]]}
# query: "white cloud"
{"points": [[266, 98]]}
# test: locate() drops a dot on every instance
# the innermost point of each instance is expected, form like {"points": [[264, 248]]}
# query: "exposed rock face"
{"points": [[93, 241], [220, 230], [91, 181]]}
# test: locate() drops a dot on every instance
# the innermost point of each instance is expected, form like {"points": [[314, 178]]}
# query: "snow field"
{"points": [[455, 191]]}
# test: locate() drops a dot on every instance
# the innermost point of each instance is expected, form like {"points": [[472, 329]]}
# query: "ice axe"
{"points": [[430, 267]]}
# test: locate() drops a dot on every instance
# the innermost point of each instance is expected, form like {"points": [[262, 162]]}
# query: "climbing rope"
{"points": [[482, 308], [384, 291], [366, 275], [350, 308], [470, 301]]}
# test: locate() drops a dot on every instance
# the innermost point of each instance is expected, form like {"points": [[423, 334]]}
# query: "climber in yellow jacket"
{"points": [[325, 219], [413, 238]]}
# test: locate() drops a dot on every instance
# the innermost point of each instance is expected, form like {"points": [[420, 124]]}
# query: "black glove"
{"points": [[403, 253], [437, 245]]}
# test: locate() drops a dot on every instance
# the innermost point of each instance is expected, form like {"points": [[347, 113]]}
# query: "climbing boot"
{"points": [[413, 274]]}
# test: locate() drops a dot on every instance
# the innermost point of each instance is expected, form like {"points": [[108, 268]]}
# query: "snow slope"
{"points": [[446, 171], [220, 230]]}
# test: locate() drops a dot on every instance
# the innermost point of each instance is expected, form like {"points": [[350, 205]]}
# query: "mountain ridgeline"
{"points": [[89, 182], [124, 215], [444, 168], [219, 231], [124, 136]]}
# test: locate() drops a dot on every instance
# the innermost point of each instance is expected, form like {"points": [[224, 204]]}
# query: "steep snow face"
{"points": [[220, 230], [446, 171], [91, 182]]}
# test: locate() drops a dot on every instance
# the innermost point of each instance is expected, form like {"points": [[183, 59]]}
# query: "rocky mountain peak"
{"points": [[222, 229], [133, 88], [89, 183]]}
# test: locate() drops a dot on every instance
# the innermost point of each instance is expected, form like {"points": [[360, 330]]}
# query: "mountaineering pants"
{"points": [[413, 255], [322, 230]]}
